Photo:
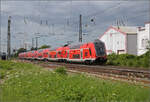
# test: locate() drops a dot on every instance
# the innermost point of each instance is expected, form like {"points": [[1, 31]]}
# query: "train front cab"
{"points": [[100, 51]]}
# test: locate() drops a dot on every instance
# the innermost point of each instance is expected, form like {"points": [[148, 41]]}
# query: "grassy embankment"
{"points": [[142, 61], [30, 83]]}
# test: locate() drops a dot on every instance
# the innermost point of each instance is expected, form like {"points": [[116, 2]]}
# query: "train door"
{"points": [[36, 54], [64, 54], [59, 54], [86, 53], [45, 53], [52, 54], [40, 55]]}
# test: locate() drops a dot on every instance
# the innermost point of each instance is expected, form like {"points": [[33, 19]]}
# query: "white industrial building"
{"points": [[120, 40], [126, 39], [143, 38]]}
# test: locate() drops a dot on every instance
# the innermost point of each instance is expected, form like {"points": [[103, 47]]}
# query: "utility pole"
{"points": [[32, 42], [36, 38], [25, 46], [0, 38], [80, 29], [8, 38]]}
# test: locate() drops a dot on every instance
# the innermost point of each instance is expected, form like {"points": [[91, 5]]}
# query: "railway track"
{"points": [[107, 72]]}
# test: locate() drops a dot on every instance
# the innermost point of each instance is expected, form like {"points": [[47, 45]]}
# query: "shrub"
{"points": [[61, 70], [130, 56], [116, 62], [129, 60], [123, 62], [111, 59], [130, 63], [136, 63], [145, 62]]}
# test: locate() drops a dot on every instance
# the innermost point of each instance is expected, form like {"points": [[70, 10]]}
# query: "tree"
{"points": [[33, 48], [44, 46], [20, 50]]}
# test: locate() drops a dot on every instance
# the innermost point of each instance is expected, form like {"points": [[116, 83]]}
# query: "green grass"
{"points": [[142, 61], [30, 83], [61, 70]]}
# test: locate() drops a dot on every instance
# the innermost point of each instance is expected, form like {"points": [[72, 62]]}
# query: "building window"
{"points": [[110, 34], [144, 43]]}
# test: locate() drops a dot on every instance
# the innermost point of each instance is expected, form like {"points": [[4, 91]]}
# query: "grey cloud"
{"points": [[60, 13]]}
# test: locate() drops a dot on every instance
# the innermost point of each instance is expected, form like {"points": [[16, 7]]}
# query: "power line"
{"points": [[102, 12], [118, 4]]}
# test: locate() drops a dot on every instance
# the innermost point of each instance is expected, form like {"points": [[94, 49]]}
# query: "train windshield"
{"points": [[100, 48]]}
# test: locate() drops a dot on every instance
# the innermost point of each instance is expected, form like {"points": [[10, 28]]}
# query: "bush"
{"points": [[130, 63], [111, 58], [116, 62], [129, 60], [145, 62], [61, 70], [137, 63]]}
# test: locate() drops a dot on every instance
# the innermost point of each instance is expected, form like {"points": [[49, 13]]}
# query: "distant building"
{"points": [[122, 39], [143, 38], [126, 39]]}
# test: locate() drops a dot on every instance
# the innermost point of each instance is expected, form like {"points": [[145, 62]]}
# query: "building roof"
{"points": [[127, 29]]}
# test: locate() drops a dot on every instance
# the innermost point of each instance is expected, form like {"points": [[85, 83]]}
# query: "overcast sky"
{"points": [[58, 21]]}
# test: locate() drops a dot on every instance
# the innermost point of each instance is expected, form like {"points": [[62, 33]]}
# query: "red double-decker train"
{"points": [[88, 53]]}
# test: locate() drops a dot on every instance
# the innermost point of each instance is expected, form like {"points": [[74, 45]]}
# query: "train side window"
{"points": [[59, 52], [86, 54], [76, 55]]}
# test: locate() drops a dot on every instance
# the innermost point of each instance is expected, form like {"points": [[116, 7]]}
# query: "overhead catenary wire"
{"points": [[70, 20], [115, 7], [94, 14], [100, 13]]}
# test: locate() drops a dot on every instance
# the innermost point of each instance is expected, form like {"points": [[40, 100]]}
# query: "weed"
{"points": [[61, 70]]}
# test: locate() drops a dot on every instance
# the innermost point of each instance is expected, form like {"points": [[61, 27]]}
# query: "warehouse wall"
{"points": [[142, 38], [114, 41], [132, 44]]}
